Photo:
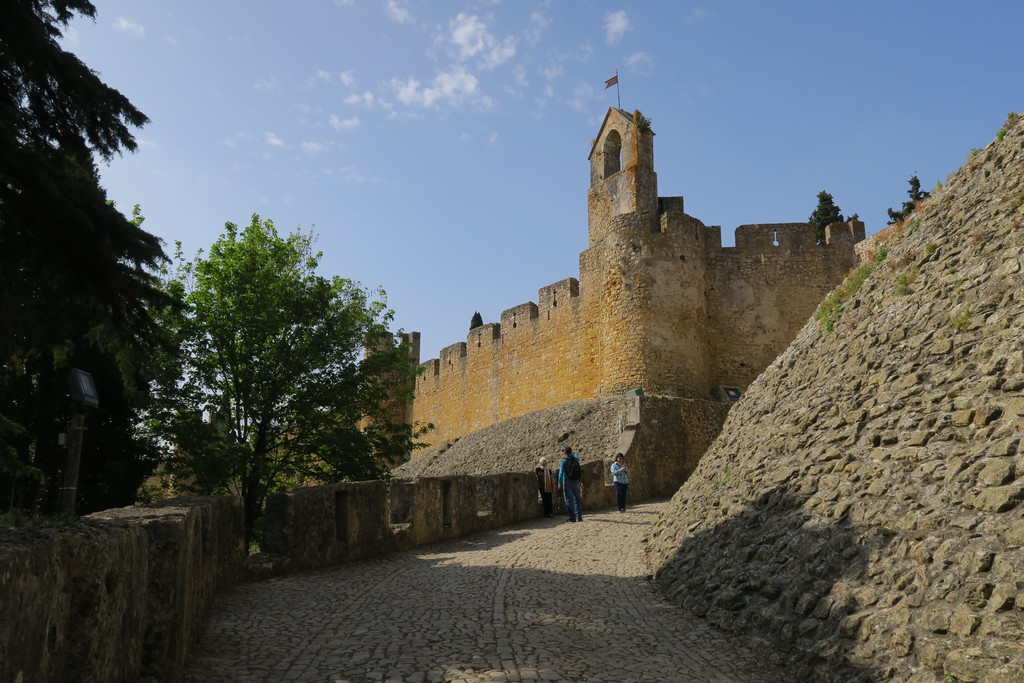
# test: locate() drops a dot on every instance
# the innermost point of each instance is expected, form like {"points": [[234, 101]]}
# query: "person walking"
{"points": [[620, 476], [546, 484], [570, 475]]}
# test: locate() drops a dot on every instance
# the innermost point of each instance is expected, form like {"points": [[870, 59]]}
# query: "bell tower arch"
{"points": [[622, 177]]}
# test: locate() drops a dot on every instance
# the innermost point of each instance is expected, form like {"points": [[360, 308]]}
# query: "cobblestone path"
{"points": [[544, 600]]}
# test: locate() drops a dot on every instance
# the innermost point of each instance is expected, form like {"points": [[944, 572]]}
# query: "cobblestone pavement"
{"points": [[544, 600]]}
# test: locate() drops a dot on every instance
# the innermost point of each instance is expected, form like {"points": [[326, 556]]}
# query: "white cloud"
{"points": [[273, 140], [615, 26], [581, 97], [268, 84], [396, 12], [538, 22], [130, 27], [347, 79], [470, 37], [452, 87], [236, 138], [313, 148], [640, 62], [469, 34], [343, 3], [699, 14], [320, 76], [337, 123], [500, 53], [552, 72], [367, 99], [493, 140]]}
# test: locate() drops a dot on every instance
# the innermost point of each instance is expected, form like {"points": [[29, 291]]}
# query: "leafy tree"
{"points": [[824, 215], [295, 373], [75, 274], [916, 194], [476, 321]]}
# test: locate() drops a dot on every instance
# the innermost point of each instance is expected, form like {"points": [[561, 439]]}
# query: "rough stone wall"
{"points": [[122, 595], [662, 438], [118, 596], [863, 508], [659, 305]]}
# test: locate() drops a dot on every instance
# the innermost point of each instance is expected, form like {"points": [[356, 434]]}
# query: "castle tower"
{"points": [[644, 271]]}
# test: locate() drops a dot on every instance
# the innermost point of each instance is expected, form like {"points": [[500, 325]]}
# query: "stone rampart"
{"points": [[122, 595], [763, 290], [117, 596]]}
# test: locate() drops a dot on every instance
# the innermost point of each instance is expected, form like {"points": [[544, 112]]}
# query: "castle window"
{"points": [[612, 153], [775, 239]]}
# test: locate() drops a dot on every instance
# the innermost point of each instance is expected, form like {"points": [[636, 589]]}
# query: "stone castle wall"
{"points": [[763, 290], [659, 305]]}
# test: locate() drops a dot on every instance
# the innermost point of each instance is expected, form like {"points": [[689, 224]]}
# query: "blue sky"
{"points": [[439, 149]]}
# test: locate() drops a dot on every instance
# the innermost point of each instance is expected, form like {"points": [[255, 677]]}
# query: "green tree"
{"points": [[476, 321], [916, 194], [295, 373], [76, 283], [824, 215]]}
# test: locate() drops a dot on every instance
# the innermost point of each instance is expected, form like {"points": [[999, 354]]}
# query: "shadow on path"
{"points": [[545, 600]]}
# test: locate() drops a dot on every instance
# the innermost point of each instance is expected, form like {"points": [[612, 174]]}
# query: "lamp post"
{"points": [[84, 399]]}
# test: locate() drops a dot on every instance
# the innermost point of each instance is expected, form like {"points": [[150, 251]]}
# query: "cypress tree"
{"points": [[825, 214]]}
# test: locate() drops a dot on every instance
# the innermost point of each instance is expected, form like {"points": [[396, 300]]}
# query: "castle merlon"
{"points": [[526, 317]]}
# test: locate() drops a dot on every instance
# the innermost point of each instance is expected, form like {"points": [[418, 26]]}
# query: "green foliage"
{"points": [[916, 194], [273, 355], [825, 214], [903, 282], [76, 287], [962, 321], [476, 321], [642, 123], [1011, 119], [930, 248], [829, 309], [723, 478]]}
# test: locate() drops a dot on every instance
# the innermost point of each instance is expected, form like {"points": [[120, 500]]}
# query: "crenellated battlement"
{"points": [[659, 305]]}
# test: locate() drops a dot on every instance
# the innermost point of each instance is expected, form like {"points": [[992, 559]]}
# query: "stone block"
{"points": [[999, 498], [996, 472]]}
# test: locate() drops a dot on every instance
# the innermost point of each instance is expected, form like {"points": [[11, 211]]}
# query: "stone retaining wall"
{"points": [[123, 594], [862, 510]]}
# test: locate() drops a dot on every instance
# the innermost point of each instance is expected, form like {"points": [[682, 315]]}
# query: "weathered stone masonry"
{"points": [[659, 305]]}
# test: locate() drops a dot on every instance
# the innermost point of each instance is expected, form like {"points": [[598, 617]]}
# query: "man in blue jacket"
{"points": [[569, 476]]}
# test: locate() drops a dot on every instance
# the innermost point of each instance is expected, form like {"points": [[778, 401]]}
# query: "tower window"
{"points": [[612, 153]]}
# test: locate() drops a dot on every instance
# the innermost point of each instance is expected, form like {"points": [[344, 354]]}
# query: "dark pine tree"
{"points": [[916, 194], [476, 321], [825, 214], [76, 283]]}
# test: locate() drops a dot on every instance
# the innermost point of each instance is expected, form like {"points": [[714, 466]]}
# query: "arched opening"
{"points": [[612, 153]]}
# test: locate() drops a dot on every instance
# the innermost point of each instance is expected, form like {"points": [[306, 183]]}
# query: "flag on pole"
{"points": [[614, 80]]}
